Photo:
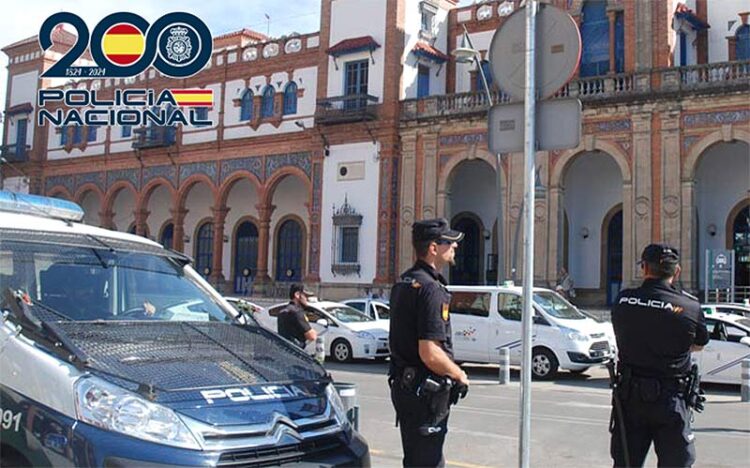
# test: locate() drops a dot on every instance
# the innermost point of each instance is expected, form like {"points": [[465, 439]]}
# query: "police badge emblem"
{"points": [[178, 47], [446, 312]]}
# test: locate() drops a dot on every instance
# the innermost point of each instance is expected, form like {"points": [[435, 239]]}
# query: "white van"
{"points": [[487, 318]]}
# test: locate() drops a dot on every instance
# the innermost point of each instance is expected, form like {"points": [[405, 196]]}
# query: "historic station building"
{"points": [[327, 146]]}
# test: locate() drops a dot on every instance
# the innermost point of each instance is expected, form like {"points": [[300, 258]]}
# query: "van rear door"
{"points": [[470, 312]]}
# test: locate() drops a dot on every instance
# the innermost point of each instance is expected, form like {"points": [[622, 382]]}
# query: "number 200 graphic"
{"points": [[123, 45]]}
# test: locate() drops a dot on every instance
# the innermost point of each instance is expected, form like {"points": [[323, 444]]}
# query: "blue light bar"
{"points": [[40, 206]]}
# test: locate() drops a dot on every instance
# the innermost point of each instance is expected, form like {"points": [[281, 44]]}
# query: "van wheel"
{"points": [[341, 351], [544, 364]]}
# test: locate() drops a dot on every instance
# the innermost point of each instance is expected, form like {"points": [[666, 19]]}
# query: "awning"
{"points": [[350, 46], [25, 108], [422, 49]]}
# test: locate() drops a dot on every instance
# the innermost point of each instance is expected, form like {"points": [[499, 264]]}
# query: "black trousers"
{"points": [[665, 422], [413, 412]]}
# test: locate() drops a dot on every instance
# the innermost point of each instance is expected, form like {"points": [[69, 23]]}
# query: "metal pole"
{"points": [[498, 170], [745, 380], [705, 278], [528, 270], [503, 377]]}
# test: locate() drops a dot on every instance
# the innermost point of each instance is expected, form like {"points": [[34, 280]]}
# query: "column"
{"points": [[430, 176], [670, 177], [140, 222], [264, 227], [217, 277], [555, 247], [690, 256], [641, 184], [178, 220]]}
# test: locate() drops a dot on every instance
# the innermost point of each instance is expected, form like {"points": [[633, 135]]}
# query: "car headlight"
{"points": [[338, 406], [115, 409], [575, 335], [365, 335]]}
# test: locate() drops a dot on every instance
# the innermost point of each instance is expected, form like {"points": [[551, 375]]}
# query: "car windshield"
{"points": [[83, 283], [744, 322], [347, 314], [556, 306]]}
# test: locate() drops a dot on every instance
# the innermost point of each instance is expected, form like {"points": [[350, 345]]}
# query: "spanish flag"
{"points": [[123, 44], [193, 97]]}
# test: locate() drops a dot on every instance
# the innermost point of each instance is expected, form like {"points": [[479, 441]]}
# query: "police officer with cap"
{"points": [[656, 326], [420, 341], [292, 321]]}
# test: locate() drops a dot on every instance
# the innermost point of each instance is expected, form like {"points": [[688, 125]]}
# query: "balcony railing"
{"points": [[15, 152], [343, 109], [154, 137], [709, 78]]}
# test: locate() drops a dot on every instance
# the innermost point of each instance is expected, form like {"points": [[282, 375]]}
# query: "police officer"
{"points": [[420, 340], [292, 321], [656, 326]]}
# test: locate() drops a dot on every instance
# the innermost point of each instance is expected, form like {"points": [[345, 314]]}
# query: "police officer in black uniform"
{"points": [[656, 326], [292, 321], [420, 340]]}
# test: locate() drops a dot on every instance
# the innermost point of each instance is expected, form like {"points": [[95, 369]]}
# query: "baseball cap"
{"points": [[660, 253], [297, 287], [434, 229]]}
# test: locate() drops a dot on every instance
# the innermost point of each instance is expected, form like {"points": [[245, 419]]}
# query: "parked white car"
{"points": [[729, 344], [487, 318], [378, 309], [350, 334], [726, 308]]}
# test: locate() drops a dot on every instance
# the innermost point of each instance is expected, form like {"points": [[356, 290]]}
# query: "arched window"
{"points": [[290, 98], [245, 257], [743, 43], [594, 38], [289, 251], [167, 236], [204, 248], [267, 104], [246, 106]]}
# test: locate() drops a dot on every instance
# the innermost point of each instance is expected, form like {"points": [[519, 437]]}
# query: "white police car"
{"points": [[115, 352], [378, 309], [349, 334]]}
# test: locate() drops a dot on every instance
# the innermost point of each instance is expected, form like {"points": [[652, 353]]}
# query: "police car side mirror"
{"points": [[323, 322], [745, 340]]}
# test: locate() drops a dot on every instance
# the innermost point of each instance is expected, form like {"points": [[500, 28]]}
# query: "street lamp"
{"points": [[466, 53]]}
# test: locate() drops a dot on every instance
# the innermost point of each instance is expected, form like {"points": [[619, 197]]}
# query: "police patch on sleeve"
{"points": [[446, 312]]}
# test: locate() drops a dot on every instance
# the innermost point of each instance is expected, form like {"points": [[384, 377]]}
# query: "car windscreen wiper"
{"points": [[42, 331]]}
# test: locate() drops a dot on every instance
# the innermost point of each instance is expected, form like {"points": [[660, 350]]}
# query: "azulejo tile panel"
{"points": [[254, 165], [206, 168], [301, 161]]}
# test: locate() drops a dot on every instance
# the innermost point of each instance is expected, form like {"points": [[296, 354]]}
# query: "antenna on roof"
{"points": [[268, 25]]}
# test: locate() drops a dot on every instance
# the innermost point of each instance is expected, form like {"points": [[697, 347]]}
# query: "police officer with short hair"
{"points": [[420, 340], [656, 326], [292, 321]]}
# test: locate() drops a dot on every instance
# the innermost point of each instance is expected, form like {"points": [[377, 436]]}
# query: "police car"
{"points": [[729, 344], [115, 352], [349, 334], [726, 308], [485, 319]]}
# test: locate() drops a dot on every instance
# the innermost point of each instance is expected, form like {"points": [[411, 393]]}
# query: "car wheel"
{"points": [[341, 351], [543, 364]]}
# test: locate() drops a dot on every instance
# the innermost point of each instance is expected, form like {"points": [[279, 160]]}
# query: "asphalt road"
{"points": [[569, 426]]}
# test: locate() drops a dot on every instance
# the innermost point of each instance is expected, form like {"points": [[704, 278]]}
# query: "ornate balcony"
{"points": [[154, 137], [345, 109], [712, 78], [15, 152]]}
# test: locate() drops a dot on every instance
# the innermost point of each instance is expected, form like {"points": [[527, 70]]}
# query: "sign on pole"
{"points": [[558, 125], [719, 271]]}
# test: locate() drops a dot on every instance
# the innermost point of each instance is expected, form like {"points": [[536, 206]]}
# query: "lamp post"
{"points": [[466, 53]]}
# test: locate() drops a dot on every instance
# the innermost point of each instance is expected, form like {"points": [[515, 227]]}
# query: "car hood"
{"points": [[217, 373], [589, 326], [375, 327]]}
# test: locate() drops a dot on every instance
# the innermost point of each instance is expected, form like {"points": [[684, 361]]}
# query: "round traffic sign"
{"points": [[558, 51]]}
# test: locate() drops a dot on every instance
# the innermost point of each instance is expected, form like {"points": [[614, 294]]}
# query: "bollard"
{"points": [[745, 380], [504, 374], [320, 348], [348, 394]]}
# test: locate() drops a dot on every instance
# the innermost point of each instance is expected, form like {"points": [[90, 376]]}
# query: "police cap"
{"points": [[296, 287], [434, 229], [660, 254]]}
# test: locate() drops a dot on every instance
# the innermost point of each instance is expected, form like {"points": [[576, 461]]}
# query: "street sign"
{"points": [[720, 266], [558, 51], [558, 126]]}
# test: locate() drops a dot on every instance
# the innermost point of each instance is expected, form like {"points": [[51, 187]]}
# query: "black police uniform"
{"points": [[655, 326], [292, 324]]}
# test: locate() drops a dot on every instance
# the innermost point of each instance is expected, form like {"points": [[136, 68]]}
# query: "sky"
{"points": [[22, 18]]}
